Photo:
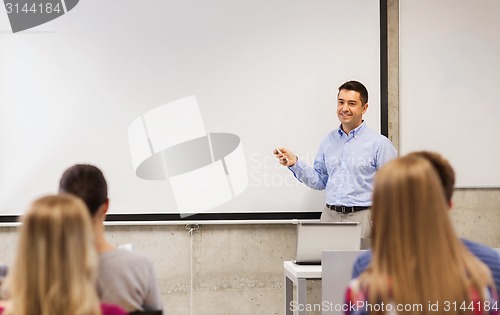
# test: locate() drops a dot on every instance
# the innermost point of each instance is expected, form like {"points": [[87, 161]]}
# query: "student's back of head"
{"points": [[443, 168], [417, 256], [88, 183], [56, 262], [125, 278]]}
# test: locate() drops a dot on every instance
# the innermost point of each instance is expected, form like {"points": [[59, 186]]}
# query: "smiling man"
{"points": [[347, 160]]}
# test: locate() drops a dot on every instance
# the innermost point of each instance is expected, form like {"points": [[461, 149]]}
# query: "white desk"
{"points": [[298, 274]]}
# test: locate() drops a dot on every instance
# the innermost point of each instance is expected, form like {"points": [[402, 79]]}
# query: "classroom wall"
{"points": [[238, 269]]}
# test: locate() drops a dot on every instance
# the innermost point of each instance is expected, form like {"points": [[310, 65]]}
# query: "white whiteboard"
{"points": [[265, 70], [449, 78]]}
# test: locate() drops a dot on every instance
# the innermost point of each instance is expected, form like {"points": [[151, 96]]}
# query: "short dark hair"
{"points": [[443, 169], [86, 182], [358, 87]]}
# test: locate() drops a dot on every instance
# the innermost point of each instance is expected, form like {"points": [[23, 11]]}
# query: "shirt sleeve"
{"points": [[361, 263], [385, 153], [496, 273], [356, 268], [313, 177]]}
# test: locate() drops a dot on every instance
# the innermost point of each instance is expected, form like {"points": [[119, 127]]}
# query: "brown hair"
{"points": [[88, 183], [357, 87], [443, 169]]}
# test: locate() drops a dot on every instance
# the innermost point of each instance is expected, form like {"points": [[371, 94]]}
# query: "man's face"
{"points": [[350, 109]]}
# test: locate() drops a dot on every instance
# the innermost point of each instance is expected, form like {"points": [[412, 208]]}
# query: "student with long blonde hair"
{"points": [[419, 265], [56, 262], [446, 175]]}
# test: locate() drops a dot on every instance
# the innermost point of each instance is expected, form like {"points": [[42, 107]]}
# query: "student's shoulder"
{"points": [[365, 256], [486, 254], [125, 255], [361, 263], [480, 249]]}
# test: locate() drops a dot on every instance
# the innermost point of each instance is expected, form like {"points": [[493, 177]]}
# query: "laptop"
{"points": [[313, 238]]}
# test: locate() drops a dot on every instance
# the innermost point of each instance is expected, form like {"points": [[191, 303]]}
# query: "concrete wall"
{"points": [[238, 269]]}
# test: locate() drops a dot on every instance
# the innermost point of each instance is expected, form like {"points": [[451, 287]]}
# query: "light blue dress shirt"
{"points": [[345, 165]]}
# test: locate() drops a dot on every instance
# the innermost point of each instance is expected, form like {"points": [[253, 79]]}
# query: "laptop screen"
{"points": [[313, 238]]}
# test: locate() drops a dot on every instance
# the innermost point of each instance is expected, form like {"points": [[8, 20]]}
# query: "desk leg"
{"points": [[288, 295], [301, 296]]}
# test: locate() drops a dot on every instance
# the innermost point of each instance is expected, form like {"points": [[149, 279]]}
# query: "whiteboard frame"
{"points": [[277, 217]]}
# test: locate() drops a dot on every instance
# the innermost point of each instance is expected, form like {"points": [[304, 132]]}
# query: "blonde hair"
{"points": [[55, 267], [417, 257]]}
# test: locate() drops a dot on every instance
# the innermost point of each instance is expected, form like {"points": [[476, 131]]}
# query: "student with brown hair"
{"points": [[56, 262], [417, 258], [125, 277]]}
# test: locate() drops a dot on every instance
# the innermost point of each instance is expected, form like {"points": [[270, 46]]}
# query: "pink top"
{"points": [[112, 309]]}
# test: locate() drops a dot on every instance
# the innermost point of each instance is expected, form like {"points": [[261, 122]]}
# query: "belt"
{"points": [[346, 209]]}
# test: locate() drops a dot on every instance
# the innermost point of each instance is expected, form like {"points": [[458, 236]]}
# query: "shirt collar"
{"points": [[353, 132]]}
